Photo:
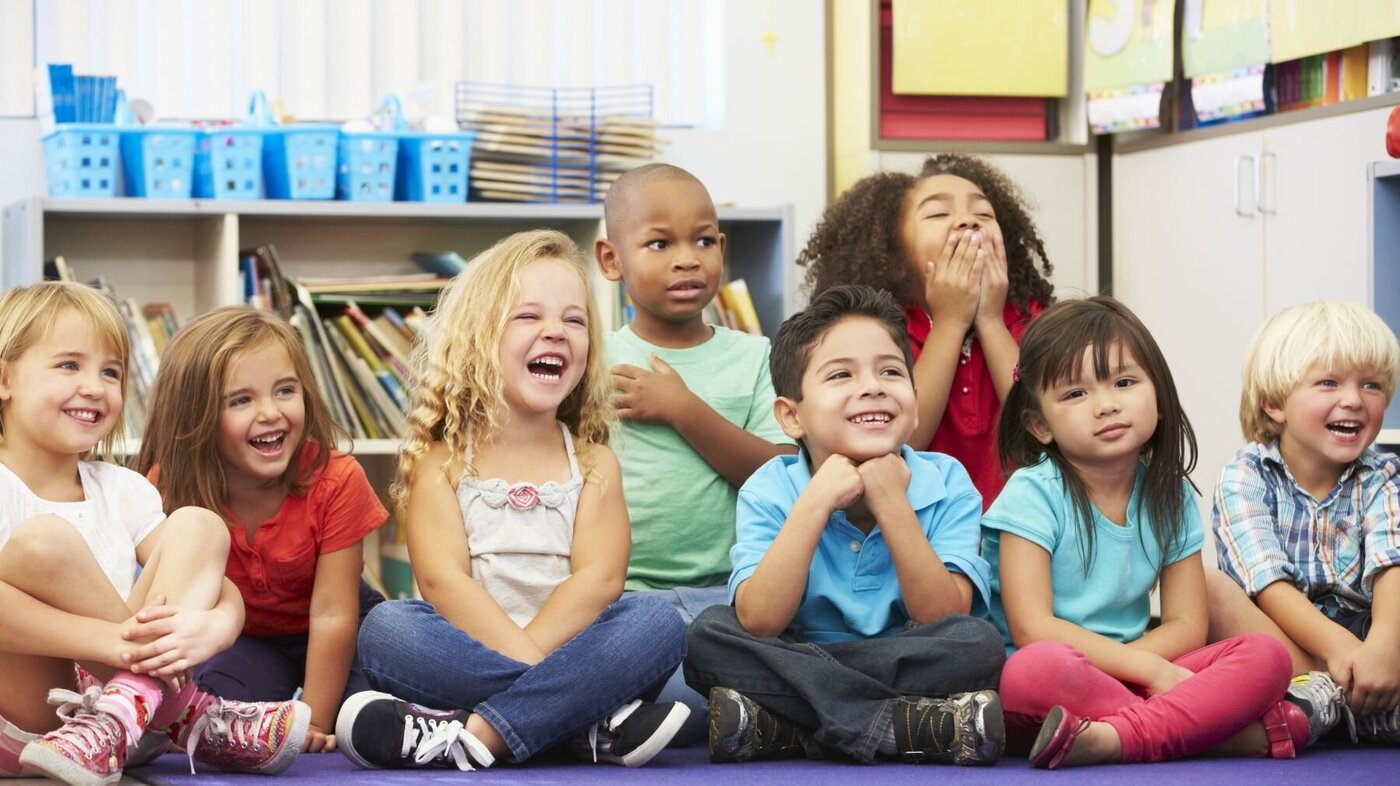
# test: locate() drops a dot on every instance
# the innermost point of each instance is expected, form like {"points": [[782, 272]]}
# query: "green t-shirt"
{"points": [[682, 510]]}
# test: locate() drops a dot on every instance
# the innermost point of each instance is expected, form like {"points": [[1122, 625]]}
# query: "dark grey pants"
{"points": [[844, 693]]}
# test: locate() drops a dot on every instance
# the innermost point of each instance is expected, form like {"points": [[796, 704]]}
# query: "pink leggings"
{"points": [[1236, 681]]}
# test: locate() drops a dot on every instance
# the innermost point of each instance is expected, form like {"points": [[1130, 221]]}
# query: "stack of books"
{"points": [[358, 334]]}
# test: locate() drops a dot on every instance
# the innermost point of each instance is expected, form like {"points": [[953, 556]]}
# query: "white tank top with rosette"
{"points": [[520, 536]]}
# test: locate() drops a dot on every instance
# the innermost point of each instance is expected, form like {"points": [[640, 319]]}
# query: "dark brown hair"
{"points": [[858, 239], [1052, 352], [799, 334], [182, 436]]}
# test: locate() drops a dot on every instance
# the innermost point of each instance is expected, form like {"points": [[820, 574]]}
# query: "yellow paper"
{"points": [[980, 47], [1127, 42], [1377, 19], [1300, 28]]}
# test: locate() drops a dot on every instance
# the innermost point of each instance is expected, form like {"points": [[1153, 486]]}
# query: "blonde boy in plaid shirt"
{"points": [[1307, 515]]}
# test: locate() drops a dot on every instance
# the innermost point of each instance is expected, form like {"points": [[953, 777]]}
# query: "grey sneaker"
{"points": [[1321, 699], [1382, 727], [741, 730], [965, 728]]}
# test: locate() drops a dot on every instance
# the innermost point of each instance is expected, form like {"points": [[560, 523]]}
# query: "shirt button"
{"points": [[855, 545], [964, 391], [962, 361]]}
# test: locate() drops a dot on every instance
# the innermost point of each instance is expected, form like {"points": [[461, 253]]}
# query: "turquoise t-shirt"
{"points": [[682, 510], [1113, 598]]}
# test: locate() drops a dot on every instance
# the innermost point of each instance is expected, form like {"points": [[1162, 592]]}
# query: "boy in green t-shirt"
{"points": [[695, 400]]}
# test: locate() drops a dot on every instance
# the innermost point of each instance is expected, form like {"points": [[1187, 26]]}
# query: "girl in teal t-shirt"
{"points": [[1099, 512]]}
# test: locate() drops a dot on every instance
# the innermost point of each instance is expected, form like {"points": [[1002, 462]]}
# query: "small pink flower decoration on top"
{"points": [[523, 497]]}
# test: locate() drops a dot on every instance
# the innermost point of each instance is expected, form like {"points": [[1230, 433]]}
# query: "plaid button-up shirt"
{"points": [[1268, 529]]}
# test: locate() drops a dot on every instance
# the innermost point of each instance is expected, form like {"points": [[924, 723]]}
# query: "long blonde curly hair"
{"points": [[457, 365]]}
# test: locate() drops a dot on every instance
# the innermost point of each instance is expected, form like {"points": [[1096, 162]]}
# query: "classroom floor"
{"points": [[691, 767]]}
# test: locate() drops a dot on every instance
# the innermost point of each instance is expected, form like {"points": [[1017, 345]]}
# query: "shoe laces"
{"points": [[428, 738], [1385, 723], [86, 727], [1323, 694], [609, 724], [224, 721]]}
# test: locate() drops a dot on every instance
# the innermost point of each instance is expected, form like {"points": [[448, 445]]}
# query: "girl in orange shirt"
{"points": [[238, 426]]}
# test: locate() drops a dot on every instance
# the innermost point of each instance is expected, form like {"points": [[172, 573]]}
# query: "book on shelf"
{"points": [[264, 285], [409, 282], [735, 299]]}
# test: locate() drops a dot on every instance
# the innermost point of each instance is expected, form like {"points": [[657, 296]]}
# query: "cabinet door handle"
{"points": [[1267, 185], [1253, 197]]}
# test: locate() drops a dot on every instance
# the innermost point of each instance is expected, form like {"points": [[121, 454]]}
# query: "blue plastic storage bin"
{"points": [[433, 167], [368, 163], [83, 160], [228, 163], [158, 161], [299, 161]]}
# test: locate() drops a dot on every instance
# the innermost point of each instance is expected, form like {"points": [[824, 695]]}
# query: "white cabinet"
{"points": [[1211, 236]]}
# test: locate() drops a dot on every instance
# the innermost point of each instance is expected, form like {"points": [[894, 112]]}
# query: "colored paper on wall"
{"points": [[1223, 35], [980, 47], [1377, 19], [1299, 28], [1127, 42]]}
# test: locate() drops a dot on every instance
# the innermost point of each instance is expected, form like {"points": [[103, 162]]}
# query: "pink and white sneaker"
{"points": [[88, 750], [241, 736]]}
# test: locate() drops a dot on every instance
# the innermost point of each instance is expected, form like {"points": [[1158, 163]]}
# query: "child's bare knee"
{"points": [[199, 528], [39, 544], [1222, 592]]}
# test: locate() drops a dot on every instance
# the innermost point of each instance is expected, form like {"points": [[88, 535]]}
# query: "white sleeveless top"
{"points": [[521, 536]]}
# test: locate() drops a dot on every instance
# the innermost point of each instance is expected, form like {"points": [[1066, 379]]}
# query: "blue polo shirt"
{"points": [[852, 590]]}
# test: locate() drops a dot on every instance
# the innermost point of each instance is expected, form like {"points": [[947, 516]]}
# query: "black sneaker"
{"points": [[741, 730], [378, 731], [633, 733], [965, 728]]}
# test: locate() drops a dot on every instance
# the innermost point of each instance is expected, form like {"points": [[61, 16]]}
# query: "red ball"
{"points": [[1392, 133]]}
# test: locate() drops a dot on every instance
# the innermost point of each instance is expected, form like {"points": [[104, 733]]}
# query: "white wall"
{"points": [[771, 150]]}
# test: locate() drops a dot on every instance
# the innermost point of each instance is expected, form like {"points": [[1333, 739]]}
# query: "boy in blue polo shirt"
{"points": [[857, 585]]}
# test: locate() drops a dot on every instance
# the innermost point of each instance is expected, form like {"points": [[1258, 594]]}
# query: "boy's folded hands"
{"points": [[1370, 676]]}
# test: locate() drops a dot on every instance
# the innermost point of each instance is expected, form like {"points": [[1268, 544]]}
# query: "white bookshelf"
{"points": [[186, 252]]}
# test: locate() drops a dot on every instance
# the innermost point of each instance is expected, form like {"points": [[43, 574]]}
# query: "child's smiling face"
{"points": [[63, 395], [544, 348], [1328, 420], [935, 207], [857, 395]]}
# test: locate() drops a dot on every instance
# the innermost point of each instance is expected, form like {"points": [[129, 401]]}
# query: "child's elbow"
{"points": [[757, 624]]}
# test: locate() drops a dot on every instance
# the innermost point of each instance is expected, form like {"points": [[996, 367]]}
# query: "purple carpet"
{"points": [[1351, 766]]}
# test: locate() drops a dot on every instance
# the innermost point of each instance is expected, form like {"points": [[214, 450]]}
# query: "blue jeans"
{"points": [[845, 692], [409, 650], [689, 601]]}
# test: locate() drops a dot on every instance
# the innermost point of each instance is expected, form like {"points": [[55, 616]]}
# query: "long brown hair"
{"points": [[858, 238], [187, 400], [1052, 351]]}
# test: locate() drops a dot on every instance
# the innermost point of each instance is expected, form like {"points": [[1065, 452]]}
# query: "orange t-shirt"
{"points": [[275, 572]]}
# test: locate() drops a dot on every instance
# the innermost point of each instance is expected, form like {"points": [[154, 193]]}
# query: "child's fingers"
{"points": [[149, 630], [156, 612]]}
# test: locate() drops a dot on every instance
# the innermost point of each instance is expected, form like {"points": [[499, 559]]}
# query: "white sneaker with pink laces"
{"points": [[88, 750]]}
